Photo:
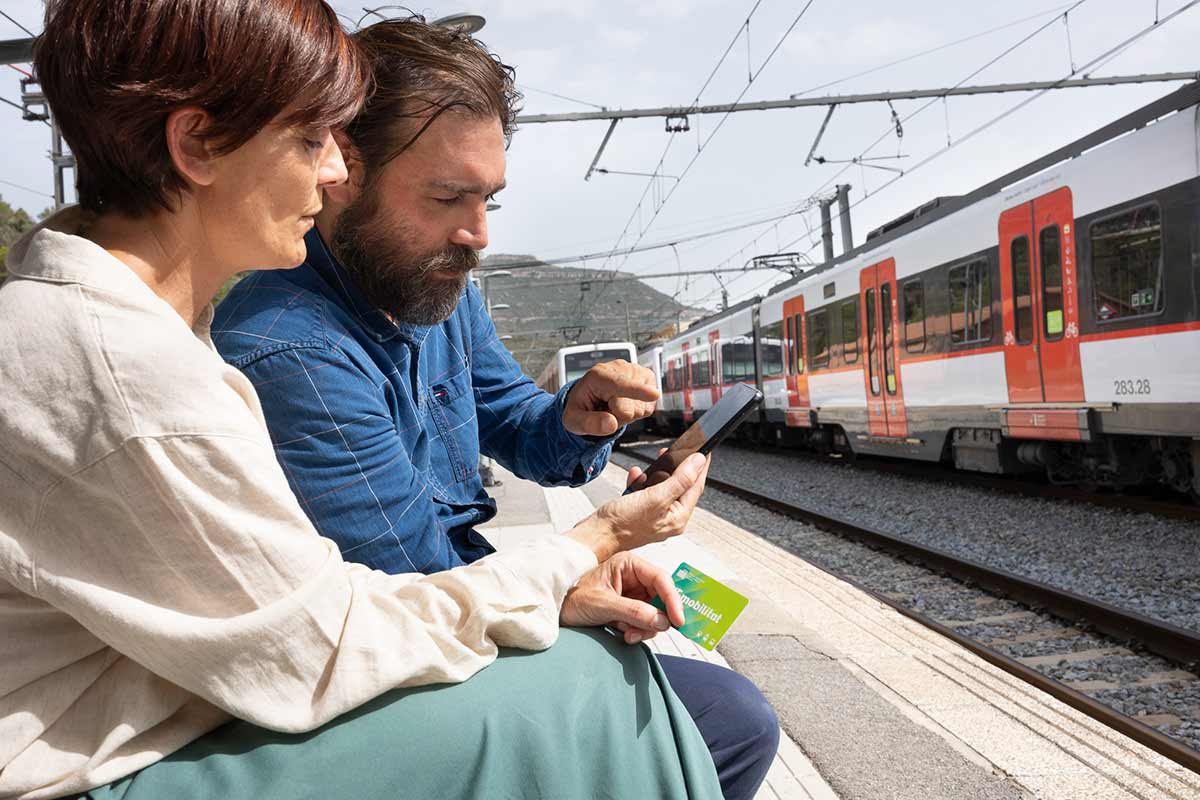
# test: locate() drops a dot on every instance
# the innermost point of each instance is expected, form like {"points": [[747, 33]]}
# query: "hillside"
{"points": [[551, 307]]}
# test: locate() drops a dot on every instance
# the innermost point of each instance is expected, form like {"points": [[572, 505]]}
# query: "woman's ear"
{"points": [[189, 150], [346, 192]]}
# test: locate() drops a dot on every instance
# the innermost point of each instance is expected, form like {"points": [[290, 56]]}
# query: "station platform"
{"points": [[872, 705]]}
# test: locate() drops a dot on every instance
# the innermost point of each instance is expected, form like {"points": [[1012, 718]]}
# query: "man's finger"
{"points": [[682, 479], [691, 497], [608, 384], [633, 475], [627, 410], [596, 423]]}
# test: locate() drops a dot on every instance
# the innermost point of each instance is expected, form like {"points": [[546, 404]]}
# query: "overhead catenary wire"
{"points": [[891, 127], [19, 25], [26, 188], [1103, 57], [721, 122], [671, 140], [1056, 10]]}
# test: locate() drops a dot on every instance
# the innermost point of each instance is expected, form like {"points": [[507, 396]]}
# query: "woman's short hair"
{"points": [[113, 70]]}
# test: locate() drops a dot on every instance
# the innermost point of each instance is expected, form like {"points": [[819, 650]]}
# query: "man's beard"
{"points": [[390, 275]]}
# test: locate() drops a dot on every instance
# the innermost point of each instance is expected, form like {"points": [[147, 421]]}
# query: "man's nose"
{"points": [[472, 232]]}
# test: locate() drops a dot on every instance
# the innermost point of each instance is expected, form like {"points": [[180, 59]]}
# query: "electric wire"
{"points": [[26, 188], [19, 25], [636, 213], [721, 122], [1056, 10], [529, 88], [1107, 55], [1103, 58], [890, 128]]}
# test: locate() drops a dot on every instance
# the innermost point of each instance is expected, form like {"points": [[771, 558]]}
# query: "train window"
{"points": [[872, 346], [799, 346], [787, 347], [700, 371], [737, 361], [970, 303], [1052, 281], [1022, 290], [850, 331], [889, 349], [772, 349], [914, 316], [1127, 264], [818, 338]]}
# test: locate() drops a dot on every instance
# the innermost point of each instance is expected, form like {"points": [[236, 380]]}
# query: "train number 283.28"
{"points": [[1132, 387]]}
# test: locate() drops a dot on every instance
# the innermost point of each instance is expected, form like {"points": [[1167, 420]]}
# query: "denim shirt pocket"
{"points": [[451, 406]]}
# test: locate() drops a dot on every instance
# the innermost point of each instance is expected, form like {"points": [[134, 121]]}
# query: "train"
{"points": [[1048, 321], [570, 363]]}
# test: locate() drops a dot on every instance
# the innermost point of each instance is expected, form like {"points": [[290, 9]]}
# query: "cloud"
{"points": [[623, 37], [869, 43]]}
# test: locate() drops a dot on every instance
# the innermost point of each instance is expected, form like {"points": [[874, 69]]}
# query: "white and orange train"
{"points": [[1049, 320]]}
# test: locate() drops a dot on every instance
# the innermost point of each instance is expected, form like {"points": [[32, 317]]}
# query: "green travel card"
{"points": [[709, 607]]}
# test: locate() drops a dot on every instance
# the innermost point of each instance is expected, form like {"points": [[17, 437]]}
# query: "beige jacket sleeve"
{"points": [[189, 554]]}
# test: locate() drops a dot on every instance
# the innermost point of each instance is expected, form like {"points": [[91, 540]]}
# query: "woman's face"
{"points": [[265, 194]]}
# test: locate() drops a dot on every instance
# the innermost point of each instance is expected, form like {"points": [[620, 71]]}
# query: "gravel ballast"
{"points": [[1136, 561]]}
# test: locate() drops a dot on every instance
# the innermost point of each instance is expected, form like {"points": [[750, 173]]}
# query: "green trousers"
{"points": [[589, 718]]}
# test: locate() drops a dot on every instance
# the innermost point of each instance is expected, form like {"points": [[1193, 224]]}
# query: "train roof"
{"points": [[716, 315], [927, 213], [587, 348]]}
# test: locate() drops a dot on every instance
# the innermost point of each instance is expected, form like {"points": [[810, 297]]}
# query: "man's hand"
{"points": [[610, 395], [617, 593]]}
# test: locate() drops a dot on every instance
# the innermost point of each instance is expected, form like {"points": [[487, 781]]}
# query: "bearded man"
{"points": [[380, 372]]}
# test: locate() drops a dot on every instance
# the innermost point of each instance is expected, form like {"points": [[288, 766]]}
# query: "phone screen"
{"points": [[703, 435]]}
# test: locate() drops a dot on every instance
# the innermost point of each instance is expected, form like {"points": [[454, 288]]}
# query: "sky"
{"points": [[650, 53]]}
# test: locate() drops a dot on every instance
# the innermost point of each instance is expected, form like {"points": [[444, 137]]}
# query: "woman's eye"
{"points": [[313, 144]]}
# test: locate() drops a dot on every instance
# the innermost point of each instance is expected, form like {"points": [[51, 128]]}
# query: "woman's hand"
{"points": [[651, 515], [617, 593]]}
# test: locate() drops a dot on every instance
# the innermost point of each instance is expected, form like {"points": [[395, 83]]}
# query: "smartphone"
{"points": [[703, 435]]}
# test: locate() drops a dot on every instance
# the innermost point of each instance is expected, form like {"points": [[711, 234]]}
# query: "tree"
{"points": [[13, 225]]}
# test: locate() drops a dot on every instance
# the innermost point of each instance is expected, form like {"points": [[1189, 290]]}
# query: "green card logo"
{"points": [[709, 606]]}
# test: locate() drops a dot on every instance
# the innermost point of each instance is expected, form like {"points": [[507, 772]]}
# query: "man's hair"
{"points": [[113, 70], [421, 71]]}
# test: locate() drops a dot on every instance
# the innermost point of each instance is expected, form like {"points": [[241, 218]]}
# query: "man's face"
{"points": [[411, 236]]}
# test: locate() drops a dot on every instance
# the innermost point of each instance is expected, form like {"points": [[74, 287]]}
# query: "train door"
{"points": [[798, 402], [714, 360], [686, 374], [1040, 291], [886, 414]]}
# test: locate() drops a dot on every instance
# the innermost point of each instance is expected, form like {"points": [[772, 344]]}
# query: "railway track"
{"points": [[1008, 609], [1030, 487]]}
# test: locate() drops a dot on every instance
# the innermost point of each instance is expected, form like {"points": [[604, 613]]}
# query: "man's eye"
{"points": [[446, 201]]}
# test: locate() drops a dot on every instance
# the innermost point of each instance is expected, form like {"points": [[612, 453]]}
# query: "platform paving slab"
{"points": [[876, 703], [792, 775]]}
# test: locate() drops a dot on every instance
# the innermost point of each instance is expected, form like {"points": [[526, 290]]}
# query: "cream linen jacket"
{"points": [[157, 577]]}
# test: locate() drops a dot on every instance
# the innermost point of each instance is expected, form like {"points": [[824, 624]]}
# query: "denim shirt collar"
{"points": [[377, 324]]}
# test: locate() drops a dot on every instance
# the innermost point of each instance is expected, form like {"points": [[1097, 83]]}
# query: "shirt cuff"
{"points": [[581, 443]]}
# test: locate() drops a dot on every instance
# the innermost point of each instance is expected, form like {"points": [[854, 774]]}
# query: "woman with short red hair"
{"points": [[172, 624]]}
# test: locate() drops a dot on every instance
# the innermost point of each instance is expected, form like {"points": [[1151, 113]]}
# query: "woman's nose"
{"points": [[332, 169]]}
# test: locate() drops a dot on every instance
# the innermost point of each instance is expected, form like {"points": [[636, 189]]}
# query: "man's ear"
{"points": [[190, 152], [345, 193]]}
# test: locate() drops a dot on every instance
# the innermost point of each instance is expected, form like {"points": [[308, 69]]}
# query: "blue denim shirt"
{"points": [[379, 426]]}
